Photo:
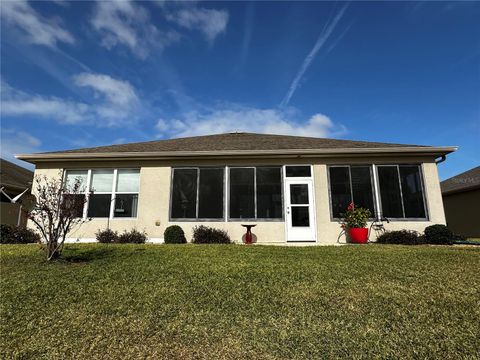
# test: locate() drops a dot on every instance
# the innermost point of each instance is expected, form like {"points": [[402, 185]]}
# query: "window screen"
{"points": [[269, 193], [340, 192], [390, 191], [210, 194], [412, 190], [351, 184], [184, 194], [361, 181], [242, 193]]}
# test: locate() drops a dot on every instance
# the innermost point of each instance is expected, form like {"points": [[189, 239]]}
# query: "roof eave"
{"points": [[166, 155], [461, 190]]}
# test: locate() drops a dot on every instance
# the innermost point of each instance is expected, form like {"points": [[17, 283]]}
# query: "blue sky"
{"points": [[80, 74]]}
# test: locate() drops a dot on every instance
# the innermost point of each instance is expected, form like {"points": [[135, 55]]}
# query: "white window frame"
{"points": [[113, 193]]}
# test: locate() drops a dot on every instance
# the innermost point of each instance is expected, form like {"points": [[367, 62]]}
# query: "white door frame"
{"points": [[292, 234]]}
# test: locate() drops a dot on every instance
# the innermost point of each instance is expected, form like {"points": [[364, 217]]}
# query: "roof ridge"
{"points": [[225, 137]]}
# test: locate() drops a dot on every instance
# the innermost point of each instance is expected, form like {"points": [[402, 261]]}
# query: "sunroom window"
{"points": [[256, 193], [253, 193], [401, 191], [242, 193], [197, 193], [351, 184]]}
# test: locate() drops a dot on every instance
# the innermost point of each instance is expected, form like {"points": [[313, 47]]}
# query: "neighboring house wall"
{"points": [[9, 214], [462, 209], [154, 198]]}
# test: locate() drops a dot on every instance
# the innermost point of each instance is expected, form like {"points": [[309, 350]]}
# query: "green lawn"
{"points": [[232, 301]]}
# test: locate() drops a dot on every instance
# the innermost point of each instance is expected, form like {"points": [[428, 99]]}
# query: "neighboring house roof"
{"points": [[13, 176], [466, 181], [234, 144]]}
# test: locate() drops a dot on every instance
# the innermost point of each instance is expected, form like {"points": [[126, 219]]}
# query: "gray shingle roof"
{"points": [[465, 181], [234, 141], [15, 176]]}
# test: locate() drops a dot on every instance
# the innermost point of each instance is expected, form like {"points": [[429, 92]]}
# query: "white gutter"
{"points": [[165, 155]]}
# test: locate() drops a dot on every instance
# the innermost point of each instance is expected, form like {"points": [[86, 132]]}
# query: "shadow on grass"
{"points": [[85, 256]]}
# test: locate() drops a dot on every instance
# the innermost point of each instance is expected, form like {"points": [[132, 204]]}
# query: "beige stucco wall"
{"points": [[154, 198]]}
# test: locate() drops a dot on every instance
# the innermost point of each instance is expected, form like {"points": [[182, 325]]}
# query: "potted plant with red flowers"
{"points": [[355, 222]]}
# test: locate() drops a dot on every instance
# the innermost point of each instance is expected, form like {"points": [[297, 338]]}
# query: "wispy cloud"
{"points": [[32, 26], [18, 103], [232, 117], [247, 32], [115, 91], [322, 39], [210, 22], [17, 142], [126, 23], [114, 103]]}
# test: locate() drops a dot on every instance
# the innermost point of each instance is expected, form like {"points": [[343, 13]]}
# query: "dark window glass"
{"points": [[73, 204], [99, 205], [299, 194], [269, 193], [339, 190], [362, 187], [184, 194], [298, 171], [242, 193], [125, 205], [210, 196], [413, 200], [390, 191], [300, 216]]}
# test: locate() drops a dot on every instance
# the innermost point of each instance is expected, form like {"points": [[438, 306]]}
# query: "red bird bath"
{"points": [[248, 234]]}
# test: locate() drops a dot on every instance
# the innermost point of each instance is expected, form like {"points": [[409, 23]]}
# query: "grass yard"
{"points": [[233, 302]]}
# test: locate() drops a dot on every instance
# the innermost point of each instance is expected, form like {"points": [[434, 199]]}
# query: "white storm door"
{"points": [[299, 210]]}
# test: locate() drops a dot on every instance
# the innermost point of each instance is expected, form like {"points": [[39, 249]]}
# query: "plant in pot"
{"points": [[355, 222]]}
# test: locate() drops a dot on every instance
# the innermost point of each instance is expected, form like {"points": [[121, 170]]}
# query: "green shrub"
{"points": [[132, 237], [207, 235], [17, 235], [439, 235], [174, 235], [106, 236], [404, 237]]}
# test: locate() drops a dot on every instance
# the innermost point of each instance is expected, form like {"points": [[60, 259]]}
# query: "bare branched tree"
{"points": [[58, 210]]}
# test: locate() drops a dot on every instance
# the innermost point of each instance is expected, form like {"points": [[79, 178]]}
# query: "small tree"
{"points": [[58, 210]]}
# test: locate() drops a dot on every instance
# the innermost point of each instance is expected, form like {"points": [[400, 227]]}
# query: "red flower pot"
{"points": [[358, 235]]}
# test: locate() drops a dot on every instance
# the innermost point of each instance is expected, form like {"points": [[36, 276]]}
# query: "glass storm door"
{"points": [[299, 210]]}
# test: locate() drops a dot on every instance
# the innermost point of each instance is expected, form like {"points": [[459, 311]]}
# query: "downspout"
{"points": [[442, 159]]}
